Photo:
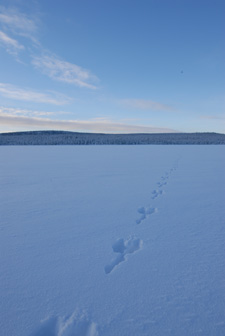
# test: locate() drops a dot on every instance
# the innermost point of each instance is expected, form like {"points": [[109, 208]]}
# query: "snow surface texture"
{"points": [[112, 240]]}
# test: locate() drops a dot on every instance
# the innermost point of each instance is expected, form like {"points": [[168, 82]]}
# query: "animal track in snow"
{"points": [[165, 178], [161, 184], [123, 248], [145, 212], [157, 193], [74, 325]]}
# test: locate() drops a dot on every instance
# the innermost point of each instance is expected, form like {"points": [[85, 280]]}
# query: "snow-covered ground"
{"points": [[112, 241]]}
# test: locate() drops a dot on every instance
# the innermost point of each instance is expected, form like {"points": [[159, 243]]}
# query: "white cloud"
{"points": [[17, 22], [12, 46], [13, 92], [214, 117], [24, 112], [99, 126], [143, 104], [64, 71]]}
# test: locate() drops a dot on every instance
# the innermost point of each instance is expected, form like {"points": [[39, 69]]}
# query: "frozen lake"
{"points": [[112, 240]]}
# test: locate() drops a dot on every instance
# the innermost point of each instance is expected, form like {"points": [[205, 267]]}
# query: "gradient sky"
{"points": [[112, 65]]}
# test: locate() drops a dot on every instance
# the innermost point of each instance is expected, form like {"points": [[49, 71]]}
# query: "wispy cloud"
{"points": [[64, 71], [213, 117], [13, 92], [99, 126], [12, 46], [25, 112], [144, 104], [18, 23]]}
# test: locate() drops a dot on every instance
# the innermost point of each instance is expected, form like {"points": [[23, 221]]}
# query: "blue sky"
{"points": [[112, 66]]}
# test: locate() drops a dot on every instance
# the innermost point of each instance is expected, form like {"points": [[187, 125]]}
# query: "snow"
{"points": [[112, 240]]}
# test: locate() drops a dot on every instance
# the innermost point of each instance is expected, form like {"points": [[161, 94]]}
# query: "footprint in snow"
{"points": [[161, 184], [74, 325], [157, 193], [145, 212], [123, 248]]}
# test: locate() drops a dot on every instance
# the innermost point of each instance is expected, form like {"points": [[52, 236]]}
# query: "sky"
{"points": [[112, 66]]}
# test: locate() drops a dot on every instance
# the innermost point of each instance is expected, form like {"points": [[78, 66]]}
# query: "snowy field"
{"points": [[112, 241]]}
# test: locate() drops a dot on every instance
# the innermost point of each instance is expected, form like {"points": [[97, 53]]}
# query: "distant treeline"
{"points": [[74, 138]]}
